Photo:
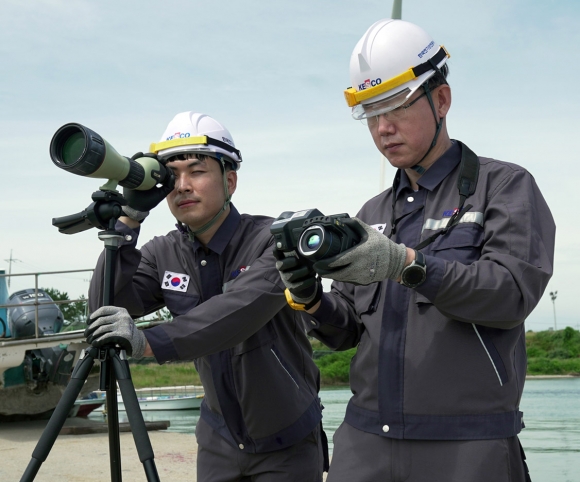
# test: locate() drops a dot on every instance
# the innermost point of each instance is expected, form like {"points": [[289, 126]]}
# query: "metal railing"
{"points": [[142, 322], [36, 301]]}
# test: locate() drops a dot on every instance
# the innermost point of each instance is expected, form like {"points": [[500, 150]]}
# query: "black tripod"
{"points": [[102, 213]]}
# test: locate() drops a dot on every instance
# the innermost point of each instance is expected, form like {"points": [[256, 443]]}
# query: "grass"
{"points": [[151, 375], [549, 353]]}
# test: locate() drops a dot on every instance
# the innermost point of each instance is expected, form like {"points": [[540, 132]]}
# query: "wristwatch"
{"points": [[416, 273]]}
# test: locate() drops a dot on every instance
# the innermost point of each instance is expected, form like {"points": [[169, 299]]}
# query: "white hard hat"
{"points": [[198, 133], [390, 62]]}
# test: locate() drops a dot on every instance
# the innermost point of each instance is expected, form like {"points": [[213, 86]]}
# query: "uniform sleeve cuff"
{"points": [[435, 271], [322, 313], [161, 344], [129, 235]]}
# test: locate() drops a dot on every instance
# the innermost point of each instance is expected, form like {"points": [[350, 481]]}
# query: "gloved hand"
{"points": [[139, 203], [114, 325], [373, 259], [299, 277]]}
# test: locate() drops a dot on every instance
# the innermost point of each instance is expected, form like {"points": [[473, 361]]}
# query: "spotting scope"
{"points": [[77, 149]]}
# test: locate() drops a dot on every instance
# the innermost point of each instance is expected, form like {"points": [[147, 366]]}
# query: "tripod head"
{"points": [[106, 207]]}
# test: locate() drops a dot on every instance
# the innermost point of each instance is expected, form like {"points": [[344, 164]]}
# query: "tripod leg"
{"points": [[60, 414], [109, 383], [138, 428]]}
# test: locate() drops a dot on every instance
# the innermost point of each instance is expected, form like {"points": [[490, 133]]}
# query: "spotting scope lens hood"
{"points": [[77, 149]]}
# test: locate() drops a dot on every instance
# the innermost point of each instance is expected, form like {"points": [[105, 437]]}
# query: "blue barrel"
{"points": [[4, 328]]}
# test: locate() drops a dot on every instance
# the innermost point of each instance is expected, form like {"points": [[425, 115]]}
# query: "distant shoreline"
{"points": [[551, 376]]}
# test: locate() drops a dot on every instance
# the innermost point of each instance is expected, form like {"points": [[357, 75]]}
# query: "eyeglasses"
{"points": [[395, 114]]}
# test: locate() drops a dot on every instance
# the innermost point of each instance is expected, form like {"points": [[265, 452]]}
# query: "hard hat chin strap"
{"points": [[439, 123], [228, 199]]}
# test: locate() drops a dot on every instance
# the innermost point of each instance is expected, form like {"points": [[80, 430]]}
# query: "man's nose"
{"points": [[385, 125], [182, 184]]}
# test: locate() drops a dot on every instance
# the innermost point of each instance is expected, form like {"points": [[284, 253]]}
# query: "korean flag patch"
{"points": [[379, 227], [175, 281]]}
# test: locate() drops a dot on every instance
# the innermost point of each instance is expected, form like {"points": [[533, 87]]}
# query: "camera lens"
{"points": [[313, 241], [318, 242]]}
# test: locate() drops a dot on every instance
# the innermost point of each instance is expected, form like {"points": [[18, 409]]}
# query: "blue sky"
{"points": [[273, 73]]}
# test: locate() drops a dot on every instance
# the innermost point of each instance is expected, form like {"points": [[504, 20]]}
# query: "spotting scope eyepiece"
{"points": [[77, 149]]}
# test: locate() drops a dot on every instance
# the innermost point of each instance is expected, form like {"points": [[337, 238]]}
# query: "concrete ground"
{"points": [[86, 457]]}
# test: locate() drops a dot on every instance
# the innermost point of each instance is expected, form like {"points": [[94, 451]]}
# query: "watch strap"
{"points": [[419, 258], [302, 306]]}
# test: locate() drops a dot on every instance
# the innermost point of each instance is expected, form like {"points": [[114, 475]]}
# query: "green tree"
{"points": [[74, 312]]}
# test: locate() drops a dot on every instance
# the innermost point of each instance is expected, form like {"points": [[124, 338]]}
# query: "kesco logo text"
{"points": [[178, 135], [369, 83]]}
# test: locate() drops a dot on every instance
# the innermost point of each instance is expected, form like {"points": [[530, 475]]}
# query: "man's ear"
{"points": [[232, 177], [442, 100]]}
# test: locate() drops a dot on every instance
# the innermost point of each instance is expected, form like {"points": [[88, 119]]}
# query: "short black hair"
{"points": [[439, 78]]}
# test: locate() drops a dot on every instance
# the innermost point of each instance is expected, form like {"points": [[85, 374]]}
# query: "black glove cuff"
{"points": [[305, 306], [135, 215]]}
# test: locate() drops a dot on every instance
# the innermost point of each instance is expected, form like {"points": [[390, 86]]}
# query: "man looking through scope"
{"points": [[216, 274], [452, 260]]}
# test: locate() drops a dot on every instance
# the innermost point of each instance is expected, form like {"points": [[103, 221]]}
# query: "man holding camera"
{"points": [[452, 259], [260, 418]]}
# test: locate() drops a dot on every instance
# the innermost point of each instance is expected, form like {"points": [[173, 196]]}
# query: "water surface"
{"points": [[551, 438]]}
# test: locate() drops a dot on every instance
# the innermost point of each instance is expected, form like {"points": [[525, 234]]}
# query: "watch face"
{"points": [[414, 276]]}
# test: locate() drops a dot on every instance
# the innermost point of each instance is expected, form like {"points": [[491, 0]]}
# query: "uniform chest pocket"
{"points": [[463, 243], [264, 336], [366, 298], [179, 303]]}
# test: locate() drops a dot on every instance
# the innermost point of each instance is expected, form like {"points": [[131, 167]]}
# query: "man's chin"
{"points": [[193, 224], [398, 162]]}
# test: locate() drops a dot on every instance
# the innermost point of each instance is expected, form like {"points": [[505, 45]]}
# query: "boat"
{"points": [[84, 406], [37, 355], [187, 397]]}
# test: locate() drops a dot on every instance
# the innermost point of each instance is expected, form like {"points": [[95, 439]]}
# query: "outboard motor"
{"points": [[21, 318]]}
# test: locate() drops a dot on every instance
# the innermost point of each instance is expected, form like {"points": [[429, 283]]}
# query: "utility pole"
{"points": [[553, 296], [397, 10], [9, 261]]}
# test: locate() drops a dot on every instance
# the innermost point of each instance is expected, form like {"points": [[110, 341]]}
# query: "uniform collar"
{"points": [[224, 234], [440, 169]]}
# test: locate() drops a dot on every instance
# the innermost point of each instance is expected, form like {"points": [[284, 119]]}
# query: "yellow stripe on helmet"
{"points": [[354, 97], [182, 141]]}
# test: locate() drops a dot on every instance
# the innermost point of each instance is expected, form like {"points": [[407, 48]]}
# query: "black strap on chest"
{"points": [[466, 184]]}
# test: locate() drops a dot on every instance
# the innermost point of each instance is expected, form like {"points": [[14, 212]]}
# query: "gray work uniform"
{"points": [[231, 318], [447, 360]]}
